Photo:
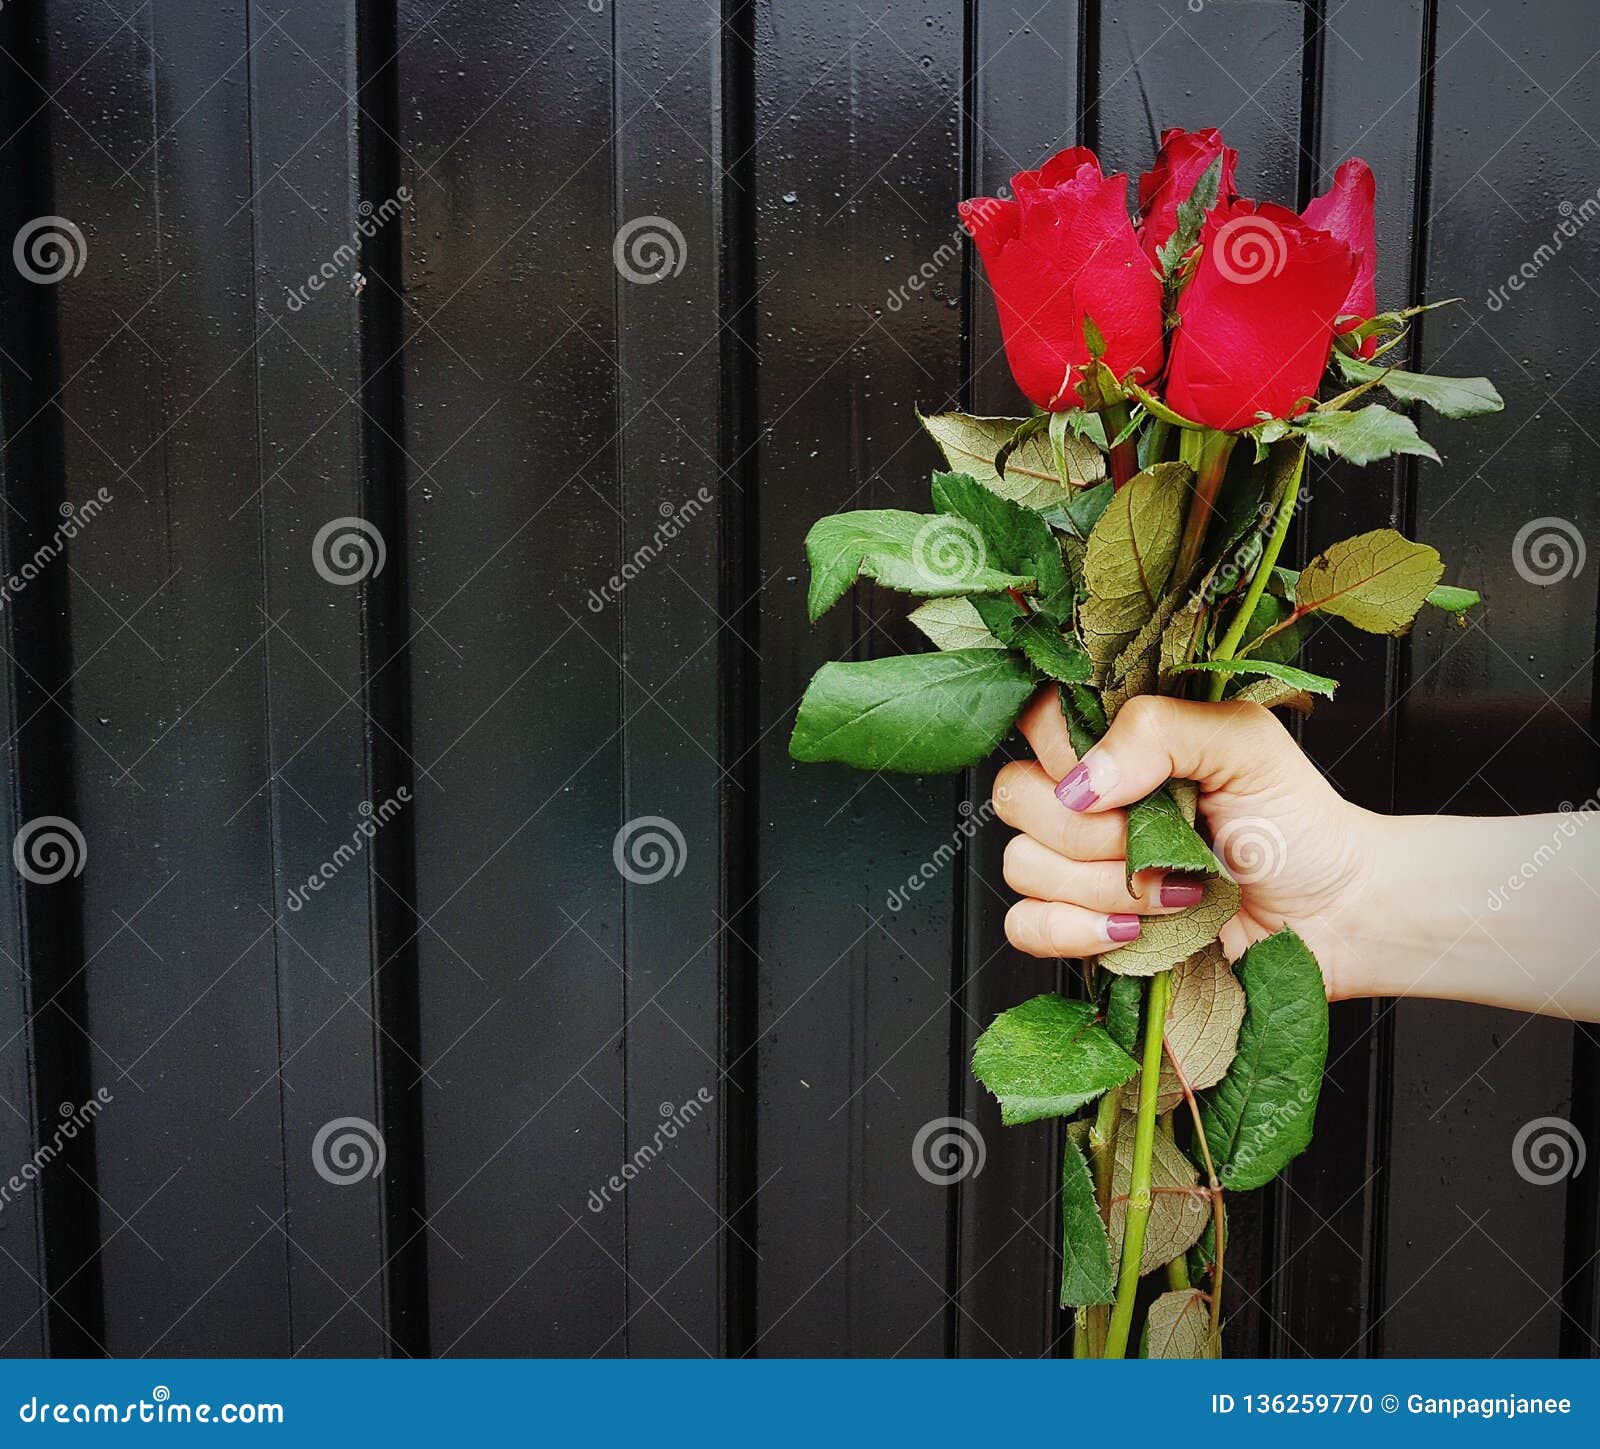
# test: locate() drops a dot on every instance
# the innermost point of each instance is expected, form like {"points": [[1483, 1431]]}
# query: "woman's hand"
{"points": [[1301, 853]]}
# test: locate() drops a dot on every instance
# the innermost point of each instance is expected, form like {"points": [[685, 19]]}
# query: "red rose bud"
{"points": [[1181, 162], [1256, 324], [1349, 211], [1062, 250]]}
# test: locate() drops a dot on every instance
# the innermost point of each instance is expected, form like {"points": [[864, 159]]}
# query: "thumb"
{"points": [[1154, 739]]}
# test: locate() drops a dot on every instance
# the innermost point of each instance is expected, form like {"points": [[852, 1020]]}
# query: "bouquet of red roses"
{"points": [[1124, 540]]}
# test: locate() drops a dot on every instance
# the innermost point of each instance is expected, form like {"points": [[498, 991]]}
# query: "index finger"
{"points": [[1045, 729]]}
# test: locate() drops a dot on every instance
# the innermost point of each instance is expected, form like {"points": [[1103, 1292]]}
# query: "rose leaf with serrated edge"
{"points": [[1178, 1325], [1259, 1116], [1086, 1271], [1163, 941], [916, 553], [1129, 556], [1376, 581], [1046, 1058], [922, 714]]}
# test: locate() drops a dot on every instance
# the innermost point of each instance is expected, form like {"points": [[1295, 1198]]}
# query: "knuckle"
{"points": [[1145, 716]]}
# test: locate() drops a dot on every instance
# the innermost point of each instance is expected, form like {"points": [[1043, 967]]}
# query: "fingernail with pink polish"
{"points": [[1074, 791], [1120, 928], [1182, 890]]}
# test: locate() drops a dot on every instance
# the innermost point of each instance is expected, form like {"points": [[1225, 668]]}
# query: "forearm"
{"points": [[1500, 911]]}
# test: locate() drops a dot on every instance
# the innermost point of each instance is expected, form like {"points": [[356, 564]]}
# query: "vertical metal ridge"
{"points": [[961, 946], [740, 546], [43, 923], [387, 684]]}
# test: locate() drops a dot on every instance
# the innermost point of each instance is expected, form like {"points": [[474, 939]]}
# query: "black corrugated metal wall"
{"points": [[467, 745]]}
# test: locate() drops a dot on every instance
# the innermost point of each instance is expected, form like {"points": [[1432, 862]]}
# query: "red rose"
{"points": [[1256, 324], [1181, 162], [1349, 211], [1062, 250]]}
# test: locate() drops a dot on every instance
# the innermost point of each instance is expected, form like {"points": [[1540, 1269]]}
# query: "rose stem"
{"points": [[1269, 557], [1218, 1219], [1102, 1159], [1210, 461], [1160, 432], [1178, 1268], [1124, 455], [1137, 1218]]}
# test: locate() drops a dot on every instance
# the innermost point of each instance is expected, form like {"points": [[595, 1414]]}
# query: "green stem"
{"points": [[1103, 1164], [1124, 455], [1229, 642], [1207, 453], [1160, 432], [1144, 1143]]}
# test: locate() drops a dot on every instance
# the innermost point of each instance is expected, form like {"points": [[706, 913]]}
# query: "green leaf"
{"points": [[1178, 1325], [1191, 214], [1300, 679], [1179, 641], [1272, 610], [1046, 1058], [1050, 651], [1077, 515], [970, 444], [1158, 409], [1123, 998], [1086, 1271], [1363, 436], [1454, 397], [953, 624], [924, 714], [1130, 555], [1086, 719], [917, 553], [1376, 581], [1179, 1207], [1453, 600], [1202, 1031], [1260, 1115], [1160, 838], [1014, 538], [1274, 694], [1163, 941]]}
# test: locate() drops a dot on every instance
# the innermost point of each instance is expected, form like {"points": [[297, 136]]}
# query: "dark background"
{"points": [[514, 416]]}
